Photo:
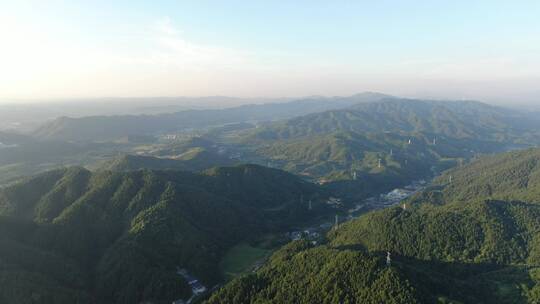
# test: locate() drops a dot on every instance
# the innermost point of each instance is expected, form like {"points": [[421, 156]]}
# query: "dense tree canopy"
{"points": [[446, 246], [73, 236]]}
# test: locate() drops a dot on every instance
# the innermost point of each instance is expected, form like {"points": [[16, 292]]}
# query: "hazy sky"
{"points": [[446, 49]]}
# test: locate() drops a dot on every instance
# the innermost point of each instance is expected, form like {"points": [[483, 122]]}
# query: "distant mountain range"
{"points": [[455, 119], [326, 139], [97, 128], [413, 139], [25, 115]]}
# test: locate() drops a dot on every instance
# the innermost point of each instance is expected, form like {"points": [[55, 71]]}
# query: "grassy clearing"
{"points": [[241, 258]]}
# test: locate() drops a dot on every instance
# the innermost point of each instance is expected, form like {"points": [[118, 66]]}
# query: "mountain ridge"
{"points": [[107, 128], [458, 119], [126, 232], [447, 247]]}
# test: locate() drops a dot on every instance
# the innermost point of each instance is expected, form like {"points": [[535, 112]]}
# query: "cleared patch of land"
{"points": [[241, 259]]}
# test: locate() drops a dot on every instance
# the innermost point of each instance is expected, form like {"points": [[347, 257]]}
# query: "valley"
{"points": [[269, 152], [222, 210], [444, 249]]}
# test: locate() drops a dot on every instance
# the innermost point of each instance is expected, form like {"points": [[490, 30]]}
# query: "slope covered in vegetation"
{"points": [[483, 231], [300, 274], [450, 247], [508, 176], [487, 214], [456, 119], [413, 139], [72, 236]]}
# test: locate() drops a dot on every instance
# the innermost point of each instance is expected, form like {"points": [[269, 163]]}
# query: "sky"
{"points": [[488, 50]]}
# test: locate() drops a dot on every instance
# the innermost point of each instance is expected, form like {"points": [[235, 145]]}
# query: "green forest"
{"points": [[73, 236], [446, 246], [225, 194]]}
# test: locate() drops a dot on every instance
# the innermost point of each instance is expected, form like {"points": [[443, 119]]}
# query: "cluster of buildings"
{"points": [[397, 195], [334, 202], [175, 136], [197, 288], [314, 234], [391, 198], [310, 234]]}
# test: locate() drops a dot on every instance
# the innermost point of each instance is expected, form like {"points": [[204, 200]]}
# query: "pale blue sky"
{"points": [[446, 49]]}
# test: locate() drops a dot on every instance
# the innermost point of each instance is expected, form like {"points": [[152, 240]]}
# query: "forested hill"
{"points": [[499, 232], [456, 119], [341, 153], [96, 128], [412, 138], [487, 213], [335, 273], [73, 236], [487, 251], [348, 162], [507, 176], [448, 246], [299, 273]]}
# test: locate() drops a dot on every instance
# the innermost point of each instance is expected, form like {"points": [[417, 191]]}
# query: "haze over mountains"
{"points": [[109, 208], [324, 139], [294, 135], [458, 119], [391, 156], [83, 129], [403, 114], [28, 114]]}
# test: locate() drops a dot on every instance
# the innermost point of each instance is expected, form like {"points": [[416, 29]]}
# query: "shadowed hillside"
{"points": [[121, 235]]}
